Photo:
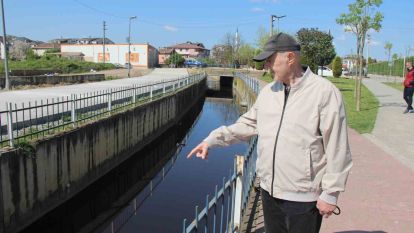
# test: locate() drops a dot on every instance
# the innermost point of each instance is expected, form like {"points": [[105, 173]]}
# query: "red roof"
{"points": [[187, 46]]}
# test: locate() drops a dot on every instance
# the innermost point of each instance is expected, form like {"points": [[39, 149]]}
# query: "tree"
{"points": [[362, 16], [246, 54], [19, 50], [316, 47], [30, 55], [388, 47], [262, 37], [337, 67], [175, 59]]}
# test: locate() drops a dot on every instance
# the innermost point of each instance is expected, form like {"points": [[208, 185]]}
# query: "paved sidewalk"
{"points": [[393, 131], [379, 196]]}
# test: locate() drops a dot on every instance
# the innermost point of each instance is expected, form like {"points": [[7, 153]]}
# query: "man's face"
{"points": [[278, 65], [409, 65]]}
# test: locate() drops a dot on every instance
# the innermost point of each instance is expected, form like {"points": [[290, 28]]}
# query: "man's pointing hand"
{"points": [[201, 151]]}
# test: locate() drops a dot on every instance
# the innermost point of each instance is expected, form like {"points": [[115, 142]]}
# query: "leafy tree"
{"points": [[337, 67], [316, 47], [246, 54], [30, 55], [388, 47], [259, 65], [262, 37], [371, 60], [175, 59], [19, 50], [362, 16]]}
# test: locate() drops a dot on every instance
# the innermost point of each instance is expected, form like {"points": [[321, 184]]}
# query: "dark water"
{"points": [[158, 187]]}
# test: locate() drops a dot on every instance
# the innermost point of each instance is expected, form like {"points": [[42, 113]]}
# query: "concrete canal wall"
{"points": [[36, 180]]}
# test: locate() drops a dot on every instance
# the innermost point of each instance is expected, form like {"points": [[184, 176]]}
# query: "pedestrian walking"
{"points": [[409, 87]]}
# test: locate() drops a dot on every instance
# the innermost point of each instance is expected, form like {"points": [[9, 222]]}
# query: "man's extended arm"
{"points": [[242, 130]]}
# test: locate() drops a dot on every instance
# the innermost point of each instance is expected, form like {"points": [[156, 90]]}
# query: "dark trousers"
{"points": [[408, 97], [281, 216]]}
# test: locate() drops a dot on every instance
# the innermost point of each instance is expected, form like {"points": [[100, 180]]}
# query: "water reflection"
{"points": [[157, 187]]}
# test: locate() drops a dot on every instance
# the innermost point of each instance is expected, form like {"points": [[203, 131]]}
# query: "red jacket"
{"points": [[409, 78]]}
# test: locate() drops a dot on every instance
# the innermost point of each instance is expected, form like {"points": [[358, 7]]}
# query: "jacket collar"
{"points": [[278, 86]]}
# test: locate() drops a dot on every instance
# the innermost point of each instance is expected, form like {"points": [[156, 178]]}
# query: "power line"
{"points": [[194, 26]]}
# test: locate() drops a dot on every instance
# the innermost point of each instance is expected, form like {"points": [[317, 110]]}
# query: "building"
{"points": [[191, 50], [142, 55], [89, 40], [40, 49], [164, 54]]}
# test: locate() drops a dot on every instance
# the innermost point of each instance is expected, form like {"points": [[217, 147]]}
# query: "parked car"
{"points": [[128, 65], [118, 66], [326, 71], [194, 63]]}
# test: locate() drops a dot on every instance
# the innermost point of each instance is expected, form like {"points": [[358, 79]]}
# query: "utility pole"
{"points": [[6, 65], [272, 19], [103, 41], [129, 46]]}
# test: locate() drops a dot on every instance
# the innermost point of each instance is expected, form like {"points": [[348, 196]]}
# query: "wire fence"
{"points": [[39, 119]]}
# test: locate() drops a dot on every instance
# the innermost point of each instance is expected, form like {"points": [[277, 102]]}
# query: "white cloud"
{"points": [[170, 28], [257, 9]]}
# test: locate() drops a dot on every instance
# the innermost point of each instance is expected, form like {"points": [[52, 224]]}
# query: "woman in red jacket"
{"points": [[409, 87]]}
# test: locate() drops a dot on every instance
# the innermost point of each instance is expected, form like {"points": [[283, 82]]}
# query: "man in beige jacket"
{"points": [[303, 152]]}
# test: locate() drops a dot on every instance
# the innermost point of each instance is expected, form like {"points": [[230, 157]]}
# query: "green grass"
{"points": [[364, 120], [55, 64], [267, 77], [398, 86]]}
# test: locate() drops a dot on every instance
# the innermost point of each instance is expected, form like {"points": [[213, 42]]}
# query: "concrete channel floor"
{"points": [[379, 197]]}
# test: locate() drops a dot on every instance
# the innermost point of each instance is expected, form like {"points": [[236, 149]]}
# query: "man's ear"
{"points": [[291, 56]]}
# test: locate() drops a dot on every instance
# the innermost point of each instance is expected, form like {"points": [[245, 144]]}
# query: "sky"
{"points": [[166, 22]]}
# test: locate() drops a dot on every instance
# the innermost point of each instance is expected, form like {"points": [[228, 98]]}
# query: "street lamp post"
{"points": [[272, 19], [129, 46], [6, 66]]}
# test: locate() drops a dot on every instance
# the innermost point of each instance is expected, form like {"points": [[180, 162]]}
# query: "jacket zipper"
{"points": [[286, 91]]}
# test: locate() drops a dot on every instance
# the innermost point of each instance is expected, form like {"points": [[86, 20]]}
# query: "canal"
{"points": [[156, 188]]}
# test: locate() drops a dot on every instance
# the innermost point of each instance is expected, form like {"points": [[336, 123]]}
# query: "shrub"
{"points": [[259, 65], [337, 67]]}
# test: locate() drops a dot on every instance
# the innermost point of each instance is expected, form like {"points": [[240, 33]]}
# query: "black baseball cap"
{"points": [[280, 42]]}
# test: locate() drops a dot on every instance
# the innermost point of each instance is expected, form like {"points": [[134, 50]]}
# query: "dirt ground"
{"points": [[109, 75], [122, 73]]}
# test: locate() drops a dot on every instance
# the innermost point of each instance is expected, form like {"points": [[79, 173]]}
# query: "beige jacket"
{"points": [[303, 150]]}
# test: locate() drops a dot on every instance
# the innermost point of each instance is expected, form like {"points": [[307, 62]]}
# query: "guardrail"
{"points": [[251, 82], [42, 118], [231, 199]]}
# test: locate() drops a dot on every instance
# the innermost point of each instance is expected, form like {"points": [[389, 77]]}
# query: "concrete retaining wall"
{"points": [[34, 183], [243, 95], [52, 80]]}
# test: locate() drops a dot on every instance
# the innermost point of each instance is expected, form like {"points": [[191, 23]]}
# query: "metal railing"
{"points": [[42, 118], [250, 82], [231, 199]]}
